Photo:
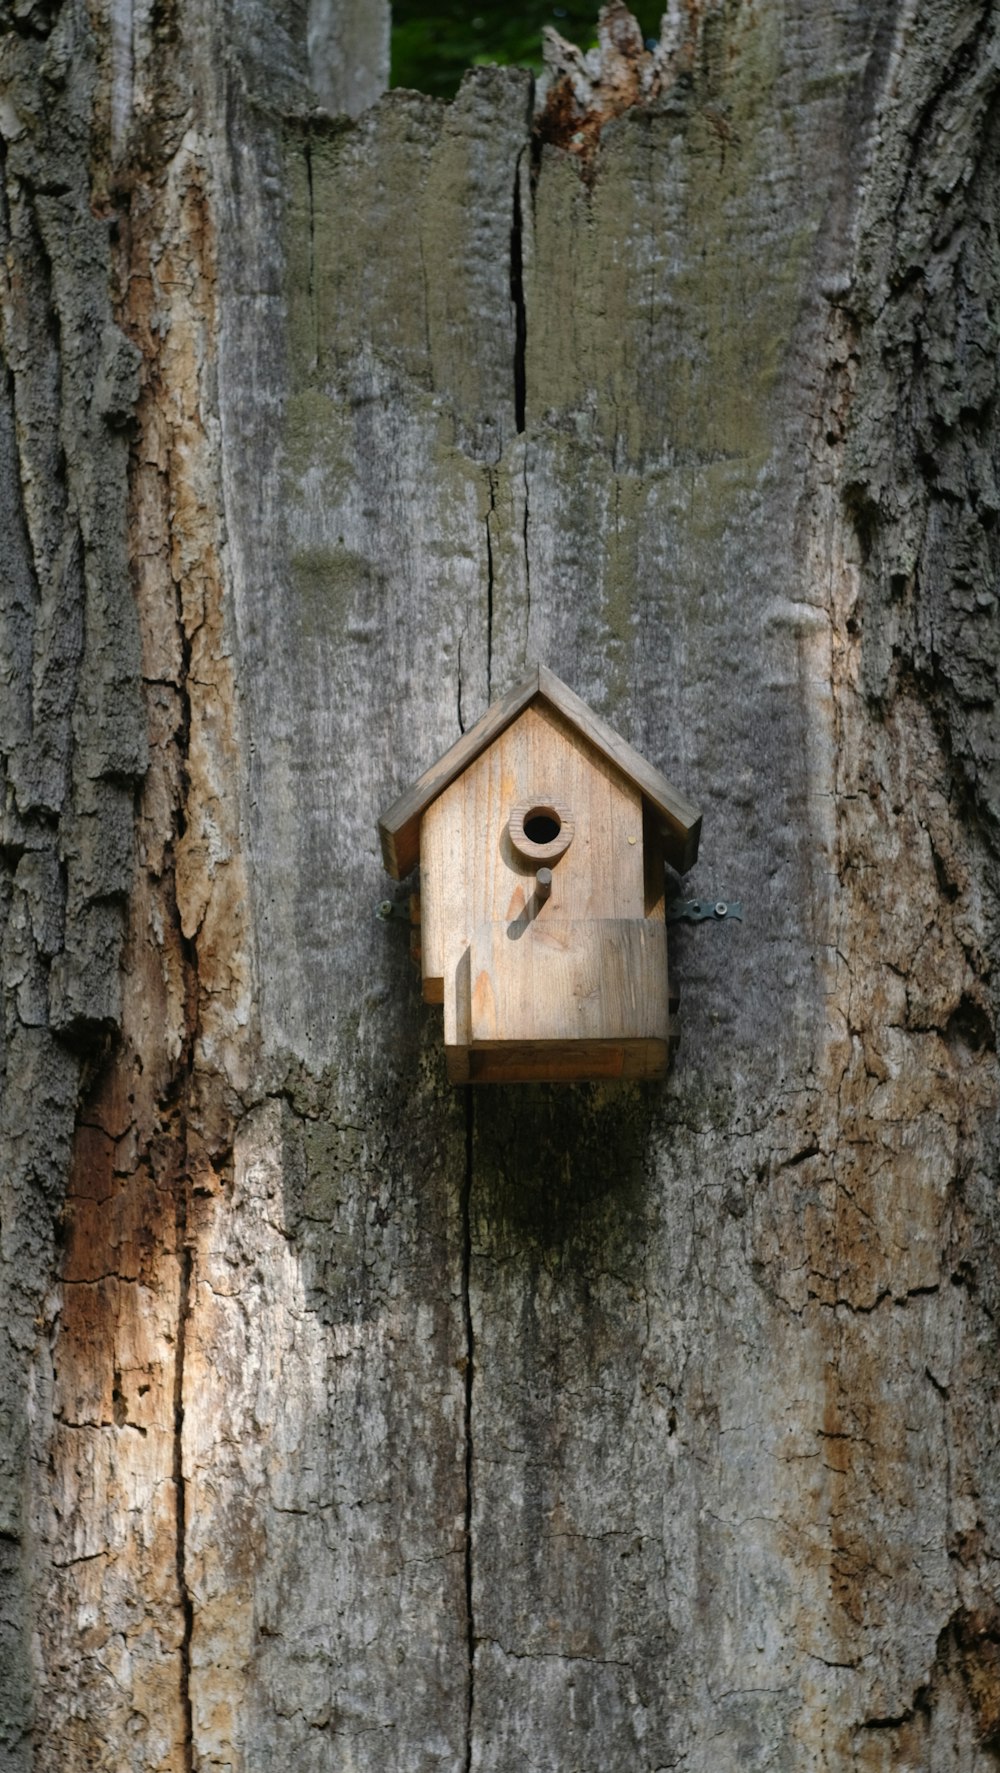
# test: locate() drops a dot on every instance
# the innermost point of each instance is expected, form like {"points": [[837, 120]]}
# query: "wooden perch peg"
{"points": [[543, 883]]}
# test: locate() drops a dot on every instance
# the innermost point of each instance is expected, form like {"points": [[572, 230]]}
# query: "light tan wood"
{"points": [[653, 860], [541, 757], [471, 873], [568, 980], [400, 827], [680, 819], [443, 872], [568, 985], [529, 847], [456, 1021]]}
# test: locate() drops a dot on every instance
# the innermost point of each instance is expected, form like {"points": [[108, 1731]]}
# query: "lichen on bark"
{"points": [[350, 1419]]}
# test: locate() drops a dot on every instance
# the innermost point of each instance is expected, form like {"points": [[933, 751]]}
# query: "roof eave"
{"points": [[679, 819]]}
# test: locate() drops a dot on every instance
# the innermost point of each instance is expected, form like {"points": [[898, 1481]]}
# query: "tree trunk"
{"points": [[349, 1420]]}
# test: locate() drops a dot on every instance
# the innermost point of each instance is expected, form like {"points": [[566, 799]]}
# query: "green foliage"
{"points": [[432, 45]]}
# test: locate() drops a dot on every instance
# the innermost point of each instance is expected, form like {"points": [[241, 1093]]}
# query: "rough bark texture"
{"points": [[349, 1421]]}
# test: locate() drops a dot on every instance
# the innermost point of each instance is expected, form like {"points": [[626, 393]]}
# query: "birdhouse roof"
{"points": [[679, 820]]}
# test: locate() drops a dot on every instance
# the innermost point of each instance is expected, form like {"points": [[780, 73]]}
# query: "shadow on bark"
{"points": [[560, 1175]]}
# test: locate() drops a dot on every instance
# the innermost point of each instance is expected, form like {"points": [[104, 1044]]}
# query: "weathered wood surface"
{"points": [[471, 872], [399, 827], [347, 1421], [577, 985], [569, 980]]}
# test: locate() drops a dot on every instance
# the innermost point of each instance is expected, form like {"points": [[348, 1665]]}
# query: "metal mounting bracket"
{"points": [[698, 910], [393, 910]]}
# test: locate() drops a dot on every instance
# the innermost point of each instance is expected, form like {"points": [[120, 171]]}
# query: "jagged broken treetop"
{"points": [[678, 819]]}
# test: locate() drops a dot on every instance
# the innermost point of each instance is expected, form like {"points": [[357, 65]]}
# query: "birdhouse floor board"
{"points": [[637, 1061]]}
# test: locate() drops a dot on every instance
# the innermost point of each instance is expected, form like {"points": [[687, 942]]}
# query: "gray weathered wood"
{"points": [[348, 1419]]}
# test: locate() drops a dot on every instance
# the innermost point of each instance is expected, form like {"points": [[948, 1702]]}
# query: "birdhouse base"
{"points": [[560, 1001], [543, 1061]]}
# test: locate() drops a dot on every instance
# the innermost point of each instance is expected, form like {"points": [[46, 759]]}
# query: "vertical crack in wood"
{"points": [[489, 584], [458, 696], [469, 1381], [520, 365], [180, 1492], [517, 298], [187, 949], [313, 319], [527, 563]]}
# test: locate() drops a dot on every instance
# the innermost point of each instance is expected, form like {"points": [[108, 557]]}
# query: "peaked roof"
{"points": [[680, 821]]}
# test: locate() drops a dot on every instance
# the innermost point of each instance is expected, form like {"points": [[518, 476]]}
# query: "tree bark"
{"points": [[348, 1420]]}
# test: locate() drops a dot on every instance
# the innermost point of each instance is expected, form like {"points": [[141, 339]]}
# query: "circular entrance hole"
{"points": [[542, 825], [540, 830]]}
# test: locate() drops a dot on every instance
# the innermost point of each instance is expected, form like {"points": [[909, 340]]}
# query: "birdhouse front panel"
{"points": [[541, 837], [593, 993], [532, 871]]}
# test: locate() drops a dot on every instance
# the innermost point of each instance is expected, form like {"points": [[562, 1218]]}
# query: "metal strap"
{"points": [[697, 910]]}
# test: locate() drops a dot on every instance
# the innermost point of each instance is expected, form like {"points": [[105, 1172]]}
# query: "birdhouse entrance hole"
{"points": [[542, 826], [540, 830]]}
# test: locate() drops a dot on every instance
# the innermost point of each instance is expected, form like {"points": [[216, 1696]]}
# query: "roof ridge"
{"points": [[399, 827]]}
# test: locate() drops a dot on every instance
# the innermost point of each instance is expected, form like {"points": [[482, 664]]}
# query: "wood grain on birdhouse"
{"points": [[541, 837]]}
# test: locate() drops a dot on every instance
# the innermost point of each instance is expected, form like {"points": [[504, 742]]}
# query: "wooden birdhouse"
{"points": [[542, 838]]}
